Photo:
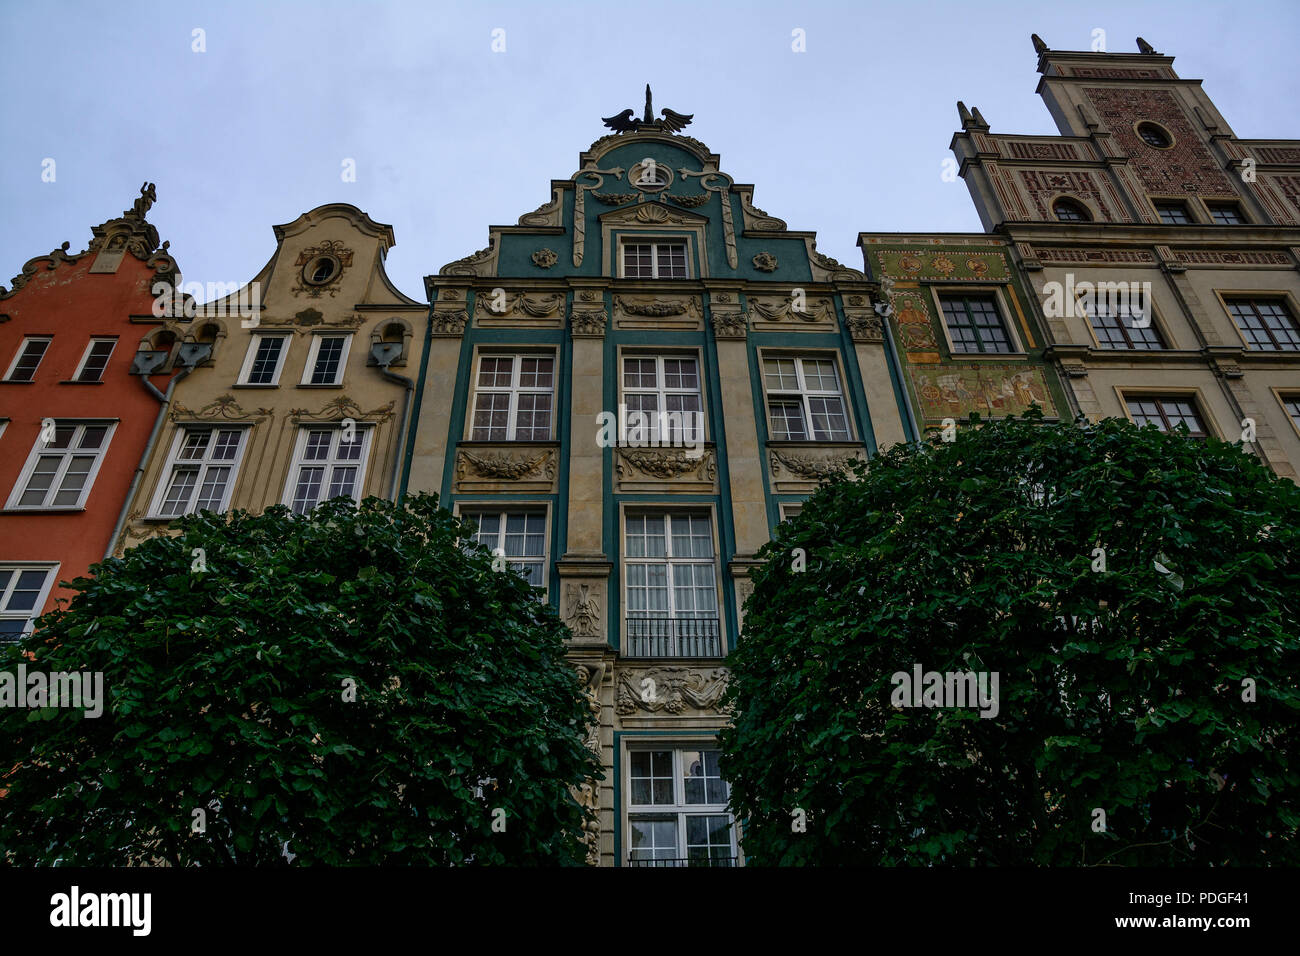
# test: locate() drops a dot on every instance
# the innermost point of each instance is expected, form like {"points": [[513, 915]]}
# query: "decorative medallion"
{"points": [[765, 262], [977, 266], [943, 265], [910, 263], [545, 258]]}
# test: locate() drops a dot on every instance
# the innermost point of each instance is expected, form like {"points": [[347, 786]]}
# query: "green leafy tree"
{"points": [[353, 686], [1137, 594]]}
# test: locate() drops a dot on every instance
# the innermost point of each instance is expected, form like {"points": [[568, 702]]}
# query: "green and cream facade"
{"points": [[648, 281]]}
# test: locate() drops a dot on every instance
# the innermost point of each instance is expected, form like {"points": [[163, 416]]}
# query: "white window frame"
{"points": [[804, 394], [203, 464], [253, 346], [22, 350], [674, 636], [472, 512], [662, 391], [85, 357], [309, 370], [39, 448], [654, 242], [679, 808], [515, 390], [51, 569], [363, 434]]}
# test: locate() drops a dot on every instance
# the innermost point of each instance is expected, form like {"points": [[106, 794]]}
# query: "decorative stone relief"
{"points": [[729, 325], [826, 269], [547, 214], [590, 677], [666, 463], [342, 407], [481, 263], [675, 690], [812, 467], [537, 306], [765, 262], [782, 310], [863, 326], [545, 258], [589, 323], [614, 199], [450, 322], [597, 177], [728, 225], [582, 612], [332, 248], [690, 202], [755, 218], [504, 466], [656, 307], [224, 408]]}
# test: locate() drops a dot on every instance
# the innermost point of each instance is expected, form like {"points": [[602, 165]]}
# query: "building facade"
{"points": [[1162, 250], [76, 406], [966, 328], [304, 386], [649, 374]]}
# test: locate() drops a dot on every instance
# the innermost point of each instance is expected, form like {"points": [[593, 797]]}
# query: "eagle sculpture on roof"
{"points": [[672, 122]]}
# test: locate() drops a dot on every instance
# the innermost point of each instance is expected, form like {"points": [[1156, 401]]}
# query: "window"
{"points": [[59, 473], [321, 270], [1114, 327], [654, 260], [23, 590], [672, 597], [264, 360], [1225, 213], [677, 809], [654, 384], [1155, 136], [1067, 210], [1173, 213], [30, 353], [789, 510], [520, 536], [326, 466], [325, 361], [803, 392], [95, 360], [513, 398], [200, 471], [1265, 324], [1292, 405], [974, 323], [1167, 413]]}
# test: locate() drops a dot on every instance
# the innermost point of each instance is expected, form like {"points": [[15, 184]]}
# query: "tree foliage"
{"points": [[1122, 690], [227, 693]]}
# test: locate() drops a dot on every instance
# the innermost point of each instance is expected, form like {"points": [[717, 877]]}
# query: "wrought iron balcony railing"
{"points": [[688, 861], [673, 637]]}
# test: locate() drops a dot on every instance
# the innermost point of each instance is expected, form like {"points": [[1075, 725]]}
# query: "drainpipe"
{"points": [[146, 363], [384, 354], [885, 310]]}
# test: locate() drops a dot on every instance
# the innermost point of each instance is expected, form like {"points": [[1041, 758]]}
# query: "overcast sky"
{"points": [[449, 136]]}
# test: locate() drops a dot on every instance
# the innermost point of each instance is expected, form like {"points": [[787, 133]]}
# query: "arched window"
{"points": [[1069, 210]]}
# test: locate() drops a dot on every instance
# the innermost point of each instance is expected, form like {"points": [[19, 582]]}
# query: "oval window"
{"points": [[1155, 136]]}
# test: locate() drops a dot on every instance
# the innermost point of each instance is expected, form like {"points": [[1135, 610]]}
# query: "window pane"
{"points": [[307, 491], [96, 360], [328, 357], [40, 481], [214, 489], [343, 482], [178, 494], [262, 371], [26, 591], [787, 421], [28, 359]]}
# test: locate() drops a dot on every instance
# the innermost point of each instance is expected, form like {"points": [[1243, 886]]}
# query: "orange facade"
{"points": [[74, 420]]}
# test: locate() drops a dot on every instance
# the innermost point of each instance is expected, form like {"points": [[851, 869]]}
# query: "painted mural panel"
{"points": [[993, 391]]}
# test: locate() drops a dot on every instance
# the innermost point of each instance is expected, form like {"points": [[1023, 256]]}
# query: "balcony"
{"points": [[689, 861], [673, 637]]}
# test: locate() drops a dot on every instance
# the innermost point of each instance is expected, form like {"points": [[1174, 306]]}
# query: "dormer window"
{"points": [[1068, 210], [654, 260]]}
